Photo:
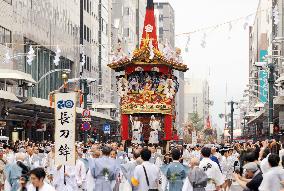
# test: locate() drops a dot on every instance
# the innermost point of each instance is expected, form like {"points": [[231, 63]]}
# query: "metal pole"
{"points": [[232, 121], [271, 95], [64, 171], [85, 93]]}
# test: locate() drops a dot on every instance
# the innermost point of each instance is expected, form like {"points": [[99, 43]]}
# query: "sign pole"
{"points": [[64, 175]]}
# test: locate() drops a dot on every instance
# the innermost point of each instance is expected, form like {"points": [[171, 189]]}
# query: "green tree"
{"points": [[197, 122]]}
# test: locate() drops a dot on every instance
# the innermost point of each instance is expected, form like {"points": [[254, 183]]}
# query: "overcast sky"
{"points": [[226, 52]]}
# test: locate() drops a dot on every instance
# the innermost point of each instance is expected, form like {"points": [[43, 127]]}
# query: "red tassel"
{"points": [[50, 100], [81, 99]]}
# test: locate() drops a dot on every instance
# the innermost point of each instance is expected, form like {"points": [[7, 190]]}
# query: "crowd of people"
{"points": [[116, 167]]}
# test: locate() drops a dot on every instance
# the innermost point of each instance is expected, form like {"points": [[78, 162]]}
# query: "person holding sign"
{"points": [[65, 180]]}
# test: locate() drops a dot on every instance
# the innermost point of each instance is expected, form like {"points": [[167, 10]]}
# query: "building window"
{"points": [[126, 32], [160, 6], [88, 6], [86, 62], [102, 25], [85, 5], [85, 32], [126, 11], [5, 35], [8, 1], [161, 17], [161, 31], [88, 34]]}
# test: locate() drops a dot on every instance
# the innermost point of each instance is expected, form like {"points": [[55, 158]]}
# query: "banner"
{"points": [[281, 120], [65, 122], [194, 138], [263, 76]]}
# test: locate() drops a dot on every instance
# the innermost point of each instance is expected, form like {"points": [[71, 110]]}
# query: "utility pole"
{"points": [[271, 95], [244, 127], [83, 82], [232, 119]]}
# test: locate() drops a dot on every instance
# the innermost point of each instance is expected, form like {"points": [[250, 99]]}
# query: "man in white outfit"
{"points": [[146, 175], [37, 177], [273, 177], [212, 170], [80, 172]]}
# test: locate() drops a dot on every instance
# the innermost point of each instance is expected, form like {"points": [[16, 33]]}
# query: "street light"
{"points": [[232, 118]]}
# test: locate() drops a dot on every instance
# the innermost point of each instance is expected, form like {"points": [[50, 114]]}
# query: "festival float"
{"points": [[148, 87]]}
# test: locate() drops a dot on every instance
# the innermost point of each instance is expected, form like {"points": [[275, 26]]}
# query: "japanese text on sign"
{"points": [[65, 121]]}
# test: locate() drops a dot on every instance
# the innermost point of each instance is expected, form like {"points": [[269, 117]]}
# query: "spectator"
{"points": [[253, 177], [212, 170], [146, 175], [175, 172], [197, 177], [37, 177], [273, 177]]}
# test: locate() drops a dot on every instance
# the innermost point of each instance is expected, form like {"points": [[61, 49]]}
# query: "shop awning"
{"points": [[37, 101], [251, 114], [8, 96], [259, 105], [95, 114], [9, 74], [104, 106], [280, 79], [237, 133], [279, 100], [258, 115]]}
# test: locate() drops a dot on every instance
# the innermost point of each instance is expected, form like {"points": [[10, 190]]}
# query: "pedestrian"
{"points": [[146, 176], [175, 172], [81, 172], [273, 177], [37, 177], [65, 178], [24, 179], [212, 170], [2, 167], [185, 155], [104, 170], [227, 166], [197, 177], [253, 177], [16, 170], [127, 170]]}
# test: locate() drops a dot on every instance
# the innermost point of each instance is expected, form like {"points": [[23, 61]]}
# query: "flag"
{"points": [[208, 123], [150, 25]]}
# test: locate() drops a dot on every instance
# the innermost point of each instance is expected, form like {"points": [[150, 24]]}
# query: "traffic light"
{"points": [[57, 57], [31, 55]]}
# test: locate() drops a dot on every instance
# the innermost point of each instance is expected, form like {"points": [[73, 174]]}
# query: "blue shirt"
{"points": [[215, 159]]}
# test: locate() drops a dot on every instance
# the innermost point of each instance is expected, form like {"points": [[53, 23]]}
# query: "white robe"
{"points": [[46, 187], [80, 173], [90, 182], [271, 179], [154, 134], [70, 180], [213, 172]]}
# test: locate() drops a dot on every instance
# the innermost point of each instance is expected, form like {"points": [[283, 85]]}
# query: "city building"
{"points": [[95, 24], [265, 46], [52, 30], [196, 92]]}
